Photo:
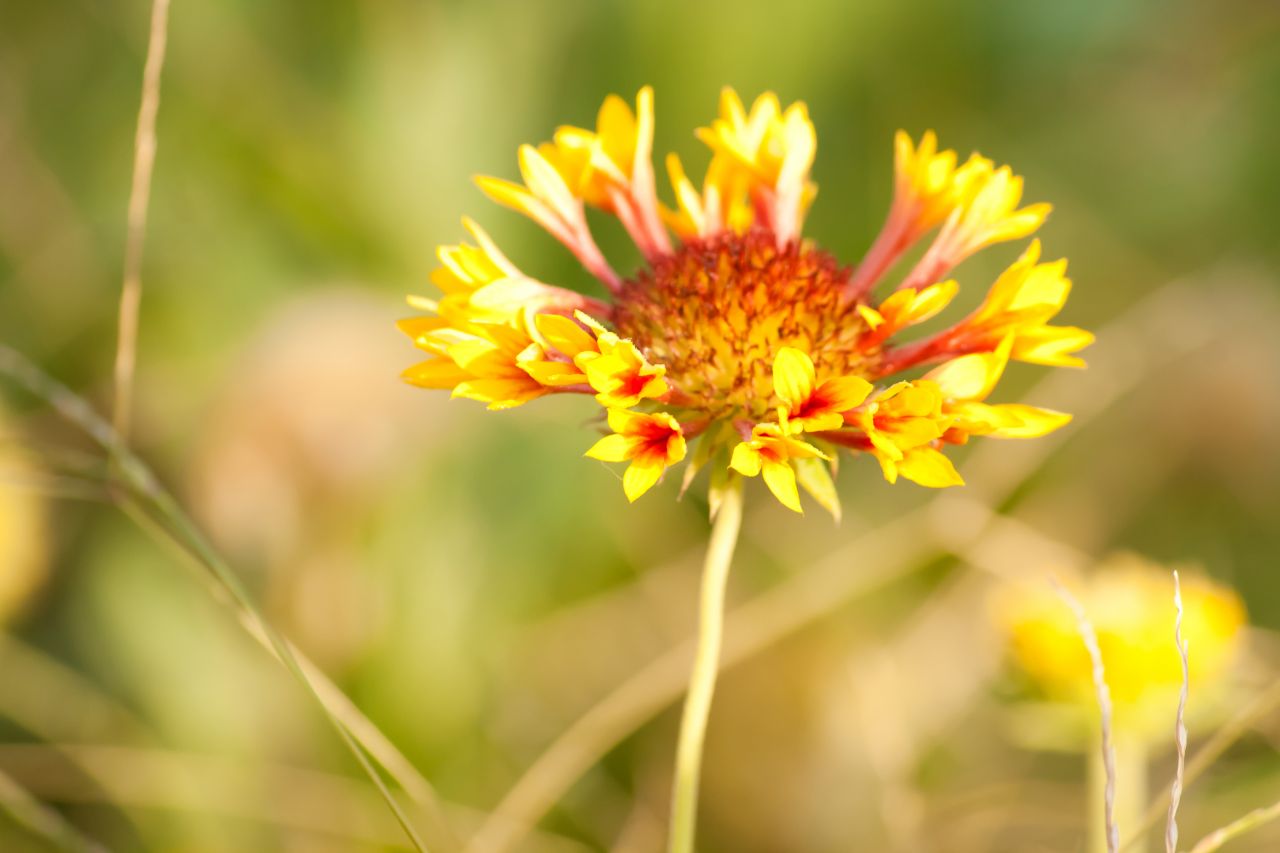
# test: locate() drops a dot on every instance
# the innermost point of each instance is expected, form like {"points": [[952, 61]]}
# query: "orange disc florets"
{"points": [[717, 310]]}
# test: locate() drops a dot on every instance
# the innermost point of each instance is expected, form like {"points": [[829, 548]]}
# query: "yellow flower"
{"points": [[652, 443], [736, 331], [771, 449], [1129, 601]]}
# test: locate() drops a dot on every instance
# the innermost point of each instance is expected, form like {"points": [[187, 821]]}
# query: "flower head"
{"points": [[736, 331]]}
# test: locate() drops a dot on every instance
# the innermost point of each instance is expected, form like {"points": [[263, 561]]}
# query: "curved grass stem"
{"points": [[139, 486], [40, 821], [706, 663], [1254, 819]]}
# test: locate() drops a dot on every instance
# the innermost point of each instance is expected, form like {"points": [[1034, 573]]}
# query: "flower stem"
{"points": [[706, 663]]}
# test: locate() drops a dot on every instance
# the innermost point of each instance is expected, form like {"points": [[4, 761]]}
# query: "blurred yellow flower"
{"points": [[1129, 601], [23, 534], [740, 332]]}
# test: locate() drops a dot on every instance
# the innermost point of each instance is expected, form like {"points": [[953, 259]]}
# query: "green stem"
{"points": [[706, 662]]}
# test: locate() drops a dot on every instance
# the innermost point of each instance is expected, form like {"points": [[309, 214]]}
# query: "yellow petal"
{"points": [[624, 421], [611, 448], [591, 322], [422, 303], [781, 480], [690, 220], [1052, 346], [507, 193], [873, 318], [797, 449], [889, 467], [640, 477], [973, 376], [499, 393], [491, 251], [929, 467], [814, 477], [441, 373], [416, 327], [974, 418], [933, 299], [793, 376], [1033, 421], [746, 460], [563, 334], [846, 392], [1045, 286], [677, 447], [1019, 224], [814, 423], [545, 182]]}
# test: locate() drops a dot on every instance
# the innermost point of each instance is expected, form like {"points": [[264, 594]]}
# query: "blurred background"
{"points": [[470, 580]]}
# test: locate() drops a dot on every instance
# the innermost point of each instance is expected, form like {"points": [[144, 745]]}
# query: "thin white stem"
{"points": [[706, 663], [1179, 726], [1108, 752]]}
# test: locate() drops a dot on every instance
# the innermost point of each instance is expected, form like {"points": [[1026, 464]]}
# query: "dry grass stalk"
{"points": [[144, 158], [1258, 709], [1090, 637], [1254, 819]]}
